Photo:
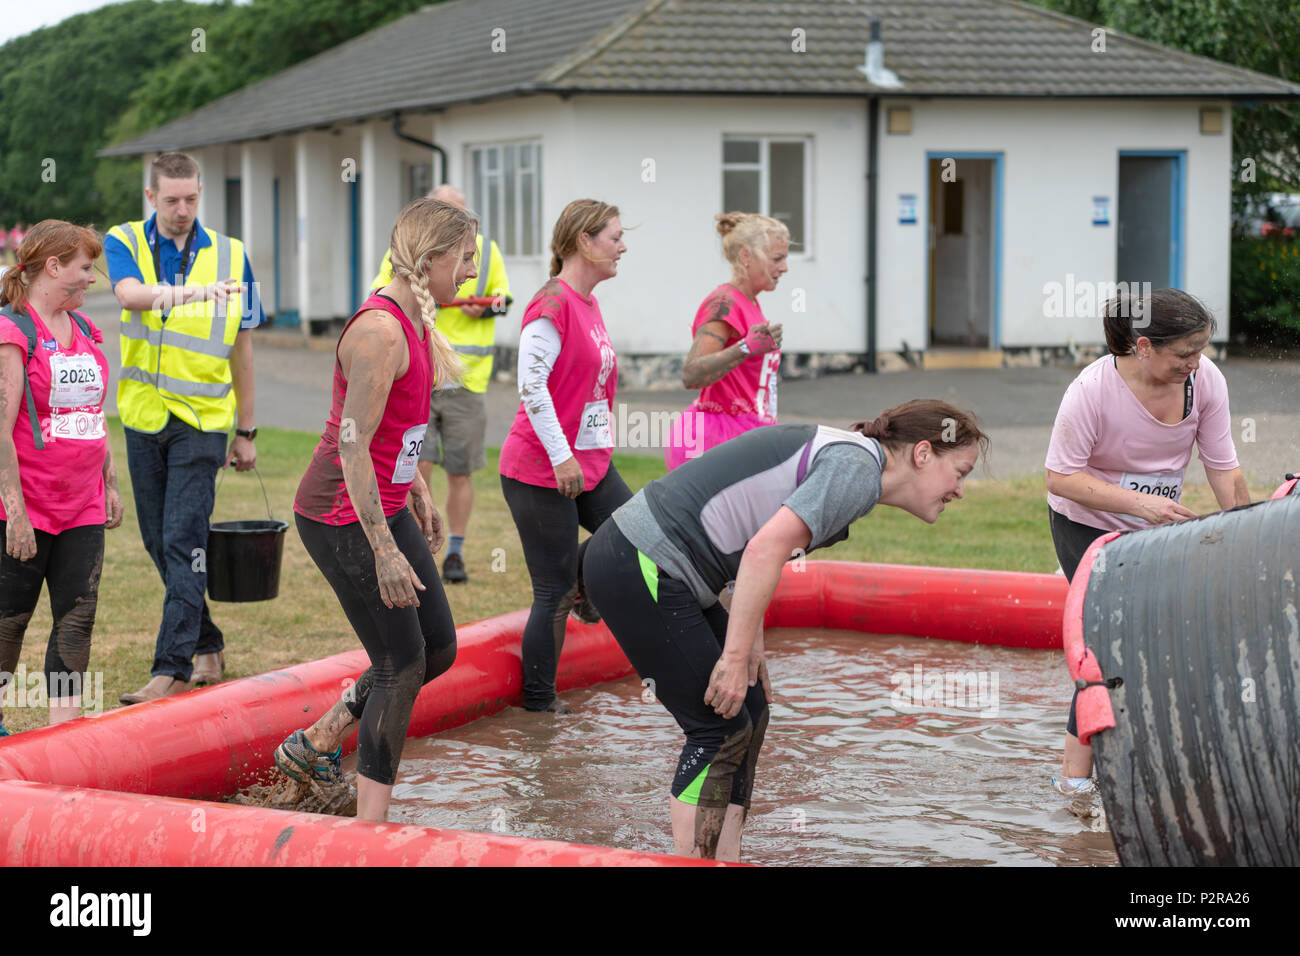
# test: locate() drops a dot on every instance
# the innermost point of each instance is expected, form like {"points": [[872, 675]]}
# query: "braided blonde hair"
{"points": [[425, 229]]}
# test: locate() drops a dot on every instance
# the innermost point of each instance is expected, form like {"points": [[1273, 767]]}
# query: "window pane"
{"points": [[740, 190], [528, 196], [525, 156], [537, 246], [511, 246], [740, 151], [786, 184]]}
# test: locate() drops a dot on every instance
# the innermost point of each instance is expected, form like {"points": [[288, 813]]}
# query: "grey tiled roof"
{"points": [[441, 56]]}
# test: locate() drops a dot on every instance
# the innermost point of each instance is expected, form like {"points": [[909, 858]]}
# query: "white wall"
{"points": [[595, 146], [1057, 155]]}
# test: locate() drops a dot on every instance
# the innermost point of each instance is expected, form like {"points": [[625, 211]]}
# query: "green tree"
{"points": [[1261, 35], [69, 90]]}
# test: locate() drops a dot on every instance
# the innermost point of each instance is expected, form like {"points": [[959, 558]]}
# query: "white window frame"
{"points": [[476, 157], [764, 178]]}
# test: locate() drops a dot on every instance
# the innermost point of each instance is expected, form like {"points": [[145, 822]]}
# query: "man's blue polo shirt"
{"points": [[122, 266]]}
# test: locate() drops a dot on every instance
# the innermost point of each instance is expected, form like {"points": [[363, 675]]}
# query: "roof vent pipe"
{"points": [[874, 67]]}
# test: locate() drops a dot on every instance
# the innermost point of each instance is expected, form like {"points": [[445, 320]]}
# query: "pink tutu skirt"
{"points": [[695, 432]]}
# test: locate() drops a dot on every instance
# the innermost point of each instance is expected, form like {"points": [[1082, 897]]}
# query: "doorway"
{"points": [[1148, 237], [964, 245]]}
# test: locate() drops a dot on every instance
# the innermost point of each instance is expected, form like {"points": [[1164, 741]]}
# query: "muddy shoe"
{"points": [[583, 610], [304, 763], [1074, 786]]}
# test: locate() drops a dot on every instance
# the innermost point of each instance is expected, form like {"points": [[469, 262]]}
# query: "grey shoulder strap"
{"points": [[28, 328]]}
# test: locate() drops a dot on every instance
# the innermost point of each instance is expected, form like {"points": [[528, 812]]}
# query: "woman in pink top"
{"points": [[555, 463], [58, 487], [1123, 438], [351, 508], [735, 359]]}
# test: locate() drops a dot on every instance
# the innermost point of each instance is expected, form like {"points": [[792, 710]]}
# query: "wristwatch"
{"points": [[250, 433], [744, 347]]}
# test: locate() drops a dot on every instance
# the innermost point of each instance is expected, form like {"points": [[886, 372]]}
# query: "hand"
{"points": [[398, 581], [20, 539], [727, 687], [474, 311], [113, 507], [1158, 509], [429, 520], [568, 477], [243, 453], [758, 669], [764, 337], [223, 290]]}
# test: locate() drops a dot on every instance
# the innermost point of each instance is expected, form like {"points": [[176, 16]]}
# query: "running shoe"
{"points": [[453, 569], [583, 610], [1073, 786], [304, 763]]}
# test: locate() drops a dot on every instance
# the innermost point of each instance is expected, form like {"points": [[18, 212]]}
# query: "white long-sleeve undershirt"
{"points": [[539, 347]]}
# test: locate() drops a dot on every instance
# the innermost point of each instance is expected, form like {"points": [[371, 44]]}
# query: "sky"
{"points": [[24, 17]]}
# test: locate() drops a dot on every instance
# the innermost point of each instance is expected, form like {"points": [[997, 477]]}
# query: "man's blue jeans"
{"points": [[173, 476]]}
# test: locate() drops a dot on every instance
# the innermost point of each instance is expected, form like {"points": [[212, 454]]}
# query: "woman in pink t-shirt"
{"points": [[58, 487], [556, 472], [364, 512], [735, 359], [1123, 439]]}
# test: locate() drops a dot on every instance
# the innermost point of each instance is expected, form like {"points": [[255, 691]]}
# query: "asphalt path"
{"points": [[1015, 405]]}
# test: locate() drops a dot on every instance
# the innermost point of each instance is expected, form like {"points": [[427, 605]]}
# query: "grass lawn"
{"points": [[999, 525]]}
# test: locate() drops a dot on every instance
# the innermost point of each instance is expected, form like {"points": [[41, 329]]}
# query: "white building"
{"points": [[1021, 164]]}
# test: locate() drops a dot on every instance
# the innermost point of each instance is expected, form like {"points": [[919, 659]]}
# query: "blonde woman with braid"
{"points": [[365, 514], [735, 360]]}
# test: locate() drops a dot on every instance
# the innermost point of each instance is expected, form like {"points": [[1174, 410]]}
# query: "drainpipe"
{"points": [[873, 144], [442, 153]]}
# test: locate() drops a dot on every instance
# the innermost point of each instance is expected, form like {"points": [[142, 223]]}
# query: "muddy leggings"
{"points": [[548, 530], [71, 563], [408, 646], [674, 644]]}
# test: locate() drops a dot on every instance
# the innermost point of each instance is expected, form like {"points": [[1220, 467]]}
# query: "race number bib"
{"points": [[78, 425], [593, 431], [408, 457], [1166, 484], [75, 381]]}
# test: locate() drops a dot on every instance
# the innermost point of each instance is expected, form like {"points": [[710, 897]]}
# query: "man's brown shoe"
{"points": [[208, 669], [159, 687]]}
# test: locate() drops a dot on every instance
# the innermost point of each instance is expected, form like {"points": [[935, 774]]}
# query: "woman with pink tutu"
{"points": [[735, 359]]}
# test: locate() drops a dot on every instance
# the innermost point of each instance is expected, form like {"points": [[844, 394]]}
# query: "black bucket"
{"points": [[244, 557]]}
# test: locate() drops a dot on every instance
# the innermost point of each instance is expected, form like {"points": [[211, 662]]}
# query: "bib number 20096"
{"points": [[1165, 484]]}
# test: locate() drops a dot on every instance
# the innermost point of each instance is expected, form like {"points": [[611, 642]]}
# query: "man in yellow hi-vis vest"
{"points": [[458, 412], [189, 304]]}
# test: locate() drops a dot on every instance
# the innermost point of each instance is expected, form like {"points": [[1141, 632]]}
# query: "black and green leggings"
{"points": [[675, 643]]}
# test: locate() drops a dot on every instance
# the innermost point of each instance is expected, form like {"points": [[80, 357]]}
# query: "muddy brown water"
{"points": [[868, 760]]}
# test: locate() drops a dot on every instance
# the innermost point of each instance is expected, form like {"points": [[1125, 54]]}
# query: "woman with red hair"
{"points": [[58, 487]]}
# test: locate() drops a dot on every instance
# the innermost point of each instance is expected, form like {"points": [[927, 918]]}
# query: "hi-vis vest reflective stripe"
{"points": [[182, 367], [472, 338]]}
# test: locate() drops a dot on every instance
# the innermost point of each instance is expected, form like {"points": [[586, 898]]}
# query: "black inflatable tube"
{"points": [[1199, 621]]}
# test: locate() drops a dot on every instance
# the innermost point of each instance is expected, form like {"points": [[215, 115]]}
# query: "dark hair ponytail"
{"points": [[1162, 316], [944, 426]]}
